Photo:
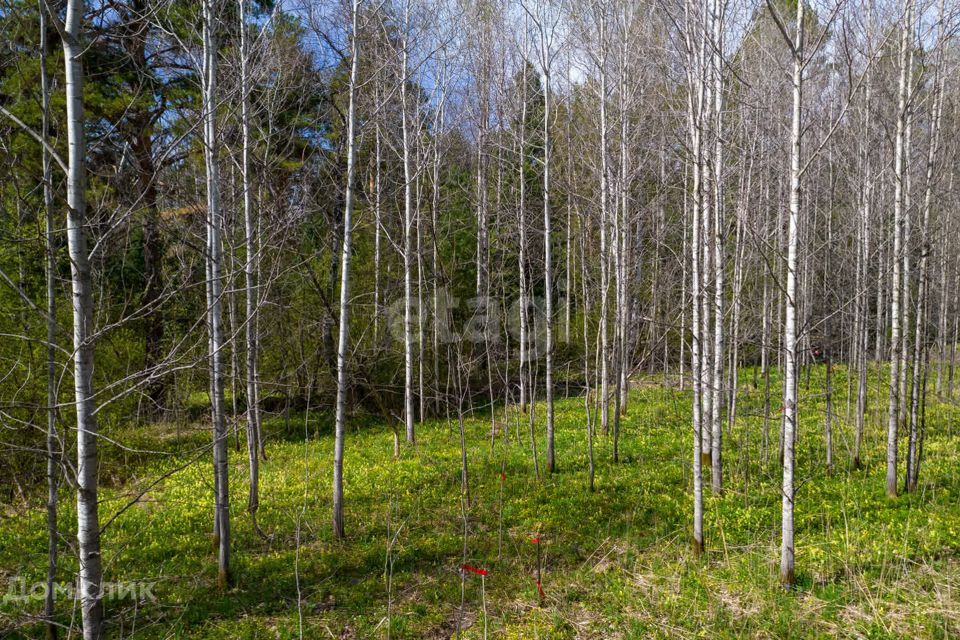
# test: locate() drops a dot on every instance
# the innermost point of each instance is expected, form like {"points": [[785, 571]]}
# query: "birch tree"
{"points": [[251, 335], [899, 175], [214, 253], [408, 220], [787, 571], [545, 19], [344, 330], [719, 229], [81, 285], [694, 50]]}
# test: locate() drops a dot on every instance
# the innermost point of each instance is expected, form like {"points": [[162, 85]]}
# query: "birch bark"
{"points": [[344, 330]]}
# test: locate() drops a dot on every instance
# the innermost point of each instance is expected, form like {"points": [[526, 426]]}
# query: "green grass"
{"points": [[617, 562]]}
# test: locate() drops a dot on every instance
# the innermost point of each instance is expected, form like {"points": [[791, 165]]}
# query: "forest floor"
{"points": [[616, 563]]}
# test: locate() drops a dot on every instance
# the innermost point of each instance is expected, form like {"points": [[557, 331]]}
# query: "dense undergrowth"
{"points": [[615, 562]]}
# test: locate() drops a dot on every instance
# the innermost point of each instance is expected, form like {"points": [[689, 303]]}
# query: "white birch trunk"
{"points": [[215, 305], [522, 253], [684, 271], [547, 249], [88, 523], [251, 338], [408, 222], [435, 228], [716, 472], [344, 329], [787, 573], [695, 99], [898, 224], [863, 261], [604, 241], [906, 279], [622, 244]]}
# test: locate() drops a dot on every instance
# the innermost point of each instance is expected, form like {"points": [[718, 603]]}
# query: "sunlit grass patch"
{"points": [[616, 563]]}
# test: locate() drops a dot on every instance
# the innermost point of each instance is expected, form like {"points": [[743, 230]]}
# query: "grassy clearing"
{"points": [[616, 561]]}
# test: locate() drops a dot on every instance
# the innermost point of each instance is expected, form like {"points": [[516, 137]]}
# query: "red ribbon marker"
{"points": [[536, 541], [476, 570], [503, 477]]}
